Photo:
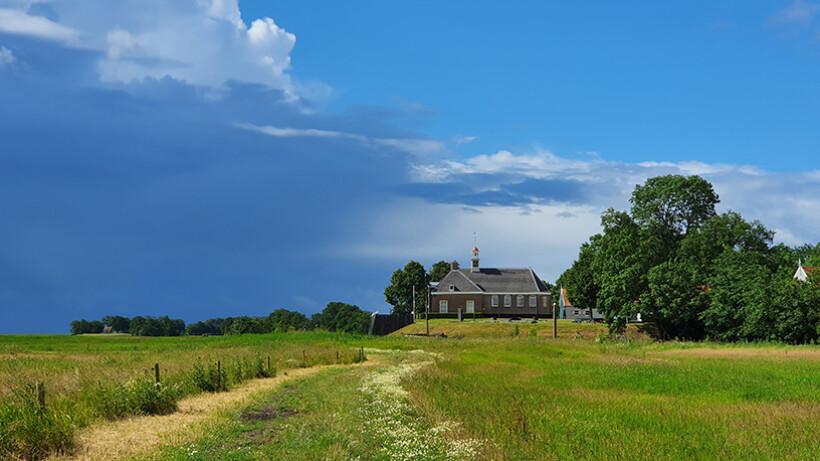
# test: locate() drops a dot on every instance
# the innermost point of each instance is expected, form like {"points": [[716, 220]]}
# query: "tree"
{"points": [[341, 317], [282, 320], [673, 205], [80, 327], [619, 268], [579, 280], [675, 300], [399, 293], [740, 305], [798, 314], [117, 323], [439, 270]]}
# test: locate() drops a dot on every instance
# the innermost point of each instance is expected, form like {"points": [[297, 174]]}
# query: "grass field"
{"points": [[482, 393]]}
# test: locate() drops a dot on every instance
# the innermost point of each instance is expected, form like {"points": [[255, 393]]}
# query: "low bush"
{"points": [[29, 432], [136, 397]]}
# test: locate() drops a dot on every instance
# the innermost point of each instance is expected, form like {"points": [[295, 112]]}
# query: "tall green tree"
{"points": [[399, 293], [439, 270], [798, 310], [579, 280], [117, 323], [619, 268], [673, 205], [341, 317]]}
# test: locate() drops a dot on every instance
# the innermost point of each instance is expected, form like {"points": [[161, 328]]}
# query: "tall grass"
{"points": [[94, 377], [544, 399]]}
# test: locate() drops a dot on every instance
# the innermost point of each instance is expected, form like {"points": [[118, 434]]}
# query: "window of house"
{"points": [[452, 288], [442, 306], [519, 301], [495, 300], [533, 301], [470, 307], [545, 300], [575, 312], [586, 312], [507, 300]]}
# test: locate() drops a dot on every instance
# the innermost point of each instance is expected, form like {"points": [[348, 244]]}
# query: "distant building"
{"points": [[568, 311], [490, 291], [803, 272]]}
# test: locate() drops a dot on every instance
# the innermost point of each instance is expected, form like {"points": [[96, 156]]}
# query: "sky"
{"points": [[215, 158]]}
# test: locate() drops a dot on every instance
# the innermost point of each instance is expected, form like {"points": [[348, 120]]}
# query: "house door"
{"points": [[471, 307]]}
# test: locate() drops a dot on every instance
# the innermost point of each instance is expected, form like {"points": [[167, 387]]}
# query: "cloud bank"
{"points": [[204, 43]]}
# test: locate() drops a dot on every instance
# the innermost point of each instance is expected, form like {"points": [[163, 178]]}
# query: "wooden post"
{"points": [[41, 395], [218, 376], [156, 373], [269, 364], [427, 310], [554, 324], [337, 356]]}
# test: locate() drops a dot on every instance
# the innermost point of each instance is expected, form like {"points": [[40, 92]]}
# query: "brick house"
{"points": [[491, 292]]}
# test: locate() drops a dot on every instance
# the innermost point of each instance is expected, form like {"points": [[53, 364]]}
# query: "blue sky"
{"points": [[204, 158]]}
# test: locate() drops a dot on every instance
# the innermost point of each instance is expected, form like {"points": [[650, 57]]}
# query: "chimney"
{"points": [[454, 266]]}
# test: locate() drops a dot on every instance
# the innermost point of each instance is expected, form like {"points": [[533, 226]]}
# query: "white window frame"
{"points": [[442, 306], [495, 301], [470, 306], [519, 301], [507, 301], [533, 301]]}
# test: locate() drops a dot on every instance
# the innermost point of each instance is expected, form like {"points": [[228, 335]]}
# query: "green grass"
{"points": [[92, 377], [540, 399], [523, 397], [307, 419], [488, 328]]}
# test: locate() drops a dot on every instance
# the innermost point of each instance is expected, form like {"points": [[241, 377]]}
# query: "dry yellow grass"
{"points": [[141, 435], [743, 352]]}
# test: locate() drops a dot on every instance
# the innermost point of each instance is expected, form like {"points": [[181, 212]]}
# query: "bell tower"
{"points": [[475, 267]]}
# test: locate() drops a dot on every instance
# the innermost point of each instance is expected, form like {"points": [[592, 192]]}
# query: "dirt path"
{"points": [[141, 434]]}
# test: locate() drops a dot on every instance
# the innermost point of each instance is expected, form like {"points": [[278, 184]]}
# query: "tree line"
{"points": [[336, 316], [692, 273]]}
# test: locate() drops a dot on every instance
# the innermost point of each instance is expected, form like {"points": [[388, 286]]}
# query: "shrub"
{"points": [[28, 432], [137, 397], [207, 378]]}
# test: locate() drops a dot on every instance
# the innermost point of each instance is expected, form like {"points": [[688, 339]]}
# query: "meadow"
{"points": [[92, 377], [484, 392]]}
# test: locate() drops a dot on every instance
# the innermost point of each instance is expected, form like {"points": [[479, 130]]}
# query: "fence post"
{"points": [[218, 376], [269, 365], [41, 395], [156, 374]]}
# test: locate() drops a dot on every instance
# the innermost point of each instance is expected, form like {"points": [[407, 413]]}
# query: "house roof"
{"points": [[492, 280], [803, 272]]}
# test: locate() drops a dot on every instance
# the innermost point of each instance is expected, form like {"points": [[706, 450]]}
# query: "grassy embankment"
{"points": [[487, 328], [88, 378]]}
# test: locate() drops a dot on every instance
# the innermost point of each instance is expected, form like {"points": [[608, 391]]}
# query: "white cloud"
{"points": [[411, 146], [461, 139], [202, 42], [544, 237], [16, 21], [6, 56], [799, 12], [546, 234]]}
